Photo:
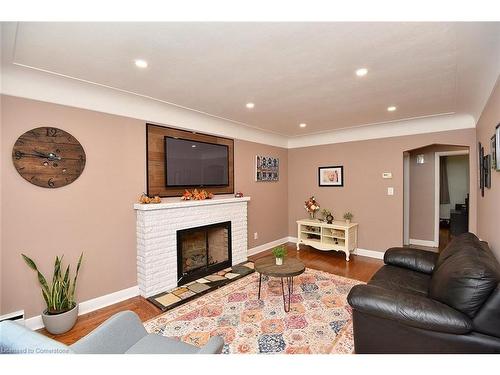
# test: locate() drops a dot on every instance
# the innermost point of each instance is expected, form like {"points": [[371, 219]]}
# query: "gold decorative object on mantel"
{"points": [[144, 199], [196, 195]]}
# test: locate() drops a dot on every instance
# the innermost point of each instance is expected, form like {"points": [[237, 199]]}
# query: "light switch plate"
{"points": [[390, 191], [387, 175]]}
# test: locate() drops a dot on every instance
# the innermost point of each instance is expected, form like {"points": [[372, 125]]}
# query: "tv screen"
{"points": [[195, 164]]}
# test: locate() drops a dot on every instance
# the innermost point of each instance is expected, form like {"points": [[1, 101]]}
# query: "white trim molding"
{"points": [[267, 246], [26, 82], [35, 84], [426, 243], [437, 188], [403, 127], [369, 253], [406, 199], [93, 304]]}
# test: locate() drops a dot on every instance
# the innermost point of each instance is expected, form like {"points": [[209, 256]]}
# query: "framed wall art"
{"points": [[497, 148], [480, 157], [493, 147], [267, 168], [331, 176], [487, 171]]}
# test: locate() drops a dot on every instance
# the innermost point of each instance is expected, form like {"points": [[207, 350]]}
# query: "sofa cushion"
{"points": [[465, 274], [452, 246], [401, 279]]}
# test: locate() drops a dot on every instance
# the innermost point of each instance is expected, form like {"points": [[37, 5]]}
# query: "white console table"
{"points": [[338, 236]]}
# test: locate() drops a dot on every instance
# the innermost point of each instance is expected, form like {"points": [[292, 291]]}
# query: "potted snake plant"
{"points": [[62, 309]]}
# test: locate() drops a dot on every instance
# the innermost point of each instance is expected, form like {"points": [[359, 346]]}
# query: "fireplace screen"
{"points": [[202, 251]]}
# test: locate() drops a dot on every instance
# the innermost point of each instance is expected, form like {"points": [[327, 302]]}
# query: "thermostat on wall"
{"points": [[387, 175]]}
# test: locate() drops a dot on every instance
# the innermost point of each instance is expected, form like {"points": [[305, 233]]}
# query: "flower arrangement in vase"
{"points": [[311, 206]]}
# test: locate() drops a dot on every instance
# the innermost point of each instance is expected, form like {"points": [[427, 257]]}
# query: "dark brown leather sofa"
{"points": [[422, 302]]}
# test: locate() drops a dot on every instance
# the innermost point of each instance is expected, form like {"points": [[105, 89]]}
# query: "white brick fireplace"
{"points": [[157, 226]]}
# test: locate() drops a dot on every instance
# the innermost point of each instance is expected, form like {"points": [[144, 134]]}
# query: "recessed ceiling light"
{"points": [[141, 63], [361, 72], [302, 125], [391, 108], [193, 146], [250, 105]]}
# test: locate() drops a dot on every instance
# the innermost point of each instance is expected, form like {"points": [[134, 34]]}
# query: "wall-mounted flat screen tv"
{"points": [[195, 164]]}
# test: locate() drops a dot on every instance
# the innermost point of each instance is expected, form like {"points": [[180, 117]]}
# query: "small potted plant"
{"points": [[62, 310], [279, 253], [348, 217]]}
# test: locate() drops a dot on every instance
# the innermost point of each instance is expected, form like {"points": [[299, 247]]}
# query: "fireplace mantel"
{"points": [[157, 226], [177, 203]]}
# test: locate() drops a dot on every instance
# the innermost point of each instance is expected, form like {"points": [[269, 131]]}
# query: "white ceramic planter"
{"points": [[279, 261], [60, 323]]}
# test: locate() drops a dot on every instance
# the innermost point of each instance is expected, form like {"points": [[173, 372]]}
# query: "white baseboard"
{"points": [[361, 252], [34, 323], [424, 243], [91, 305], [267, 246], [369, 253]]}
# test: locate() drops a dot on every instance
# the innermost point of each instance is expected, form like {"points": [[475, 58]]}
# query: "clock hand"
{"points": [[20, 154], [51, 156]]}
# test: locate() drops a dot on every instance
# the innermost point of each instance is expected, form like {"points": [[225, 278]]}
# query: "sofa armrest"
{"points": [[213, 346], [115, 336], [409, 309], [413, 259], [18, 339]]}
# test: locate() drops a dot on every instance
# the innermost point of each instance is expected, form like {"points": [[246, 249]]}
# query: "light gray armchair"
{"points": [[122, 333]]}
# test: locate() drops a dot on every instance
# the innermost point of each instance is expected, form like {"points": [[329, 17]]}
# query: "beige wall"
{"points": [[422, 191], [488, 208], [94, 214], [268, 207], [380, 216], [1, 207]]}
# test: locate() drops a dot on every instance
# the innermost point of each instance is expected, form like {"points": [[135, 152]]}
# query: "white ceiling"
{"points": [[293, 72]]}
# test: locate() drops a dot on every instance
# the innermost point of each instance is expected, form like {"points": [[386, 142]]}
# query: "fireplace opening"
{"points": [[202, 251]]}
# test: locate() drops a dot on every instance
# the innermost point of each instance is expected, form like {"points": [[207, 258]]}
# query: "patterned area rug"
{"points": [[319, 321]]}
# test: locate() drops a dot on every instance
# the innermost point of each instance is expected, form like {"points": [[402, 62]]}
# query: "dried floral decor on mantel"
{"points": [[196, 195], [144, 199]]}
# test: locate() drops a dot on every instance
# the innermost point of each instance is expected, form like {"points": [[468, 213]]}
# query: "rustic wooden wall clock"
{"points": [[48, 157]]}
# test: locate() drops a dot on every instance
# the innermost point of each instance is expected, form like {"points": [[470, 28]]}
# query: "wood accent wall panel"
{"points": [[155, 149]]}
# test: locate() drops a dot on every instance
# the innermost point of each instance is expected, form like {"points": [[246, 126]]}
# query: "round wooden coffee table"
{"points": [[291, 267]]}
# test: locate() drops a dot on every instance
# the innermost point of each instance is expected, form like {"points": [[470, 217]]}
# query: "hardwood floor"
{"points": [[359, 268], [444, 238]]}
